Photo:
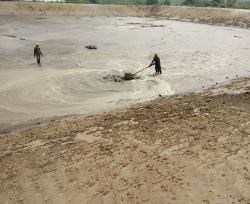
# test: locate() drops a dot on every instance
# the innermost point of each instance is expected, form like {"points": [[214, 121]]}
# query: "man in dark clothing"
{"points": [[157, 63], [37, 53]]}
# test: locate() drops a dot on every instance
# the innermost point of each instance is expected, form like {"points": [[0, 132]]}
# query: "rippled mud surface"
{"points": [[74, 80]]}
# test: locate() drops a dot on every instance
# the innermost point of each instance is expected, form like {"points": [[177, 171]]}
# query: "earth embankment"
{"points": [[218, 16]]}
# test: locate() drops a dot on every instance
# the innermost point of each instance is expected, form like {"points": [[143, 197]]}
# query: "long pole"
{"points": [[140, 70]]}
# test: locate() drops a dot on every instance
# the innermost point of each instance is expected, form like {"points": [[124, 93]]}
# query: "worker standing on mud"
{"points": [[156, 61], [37, 53]]}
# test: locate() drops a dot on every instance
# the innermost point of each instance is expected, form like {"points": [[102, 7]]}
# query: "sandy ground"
{"points": [[190, 148], [185, 148]]}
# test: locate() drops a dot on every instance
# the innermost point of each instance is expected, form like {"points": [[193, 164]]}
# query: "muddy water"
{"points": [[70, 78]]}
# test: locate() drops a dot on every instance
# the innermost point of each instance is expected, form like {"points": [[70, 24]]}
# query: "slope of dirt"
{"points": [[190, 148], [229, 17]]}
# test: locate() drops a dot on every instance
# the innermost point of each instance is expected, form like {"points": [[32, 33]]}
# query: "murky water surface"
{"points": [[70, 78]]}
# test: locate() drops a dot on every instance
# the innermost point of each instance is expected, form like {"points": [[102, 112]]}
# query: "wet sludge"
{"points": [[117, 78]]}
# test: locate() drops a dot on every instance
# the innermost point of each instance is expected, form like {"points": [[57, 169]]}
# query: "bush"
{"points": [[188, 2], [151, 2], [243, 5], [230, 3], [167, 2], [139, 2]]}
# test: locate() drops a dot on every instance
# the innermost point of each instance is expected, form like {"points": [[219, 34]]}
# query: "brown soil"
{"points": [[189, 148]]}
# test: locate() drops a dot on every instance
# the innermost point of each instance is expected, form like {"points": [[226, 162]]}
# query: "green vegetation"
{"points": [[117, 2], [166, 2], [242, 5], [217, 3], [239, 4], [152, 2]]}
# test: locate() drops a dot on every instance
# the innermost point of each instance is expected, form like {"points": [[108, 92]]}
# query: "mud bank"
{"points": [[188, 148], [218, 16]]}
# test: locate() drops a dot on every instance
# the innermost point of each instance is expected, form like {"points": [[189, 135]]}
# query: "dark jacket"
{"points": [[37, 50], [157, 62]]}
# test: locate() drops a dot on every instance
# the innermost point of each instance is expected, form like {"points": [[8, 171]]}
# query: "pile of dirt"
{"points": [[218, 16], [91, 47], [113, 78], [117, 78], [130, 76]]}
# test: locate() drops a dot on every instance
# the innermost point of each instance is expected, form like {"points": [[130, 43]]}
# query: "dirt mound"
{"points": [[129, 76], [91, 47], [117, 78], [16, 8], [219, 16], [113, 78]]}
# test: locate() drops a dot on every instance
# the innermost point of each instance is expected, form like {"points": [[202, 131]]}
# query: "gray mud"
{"points": [[113, 78], [74, 80], [117, 78]]}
